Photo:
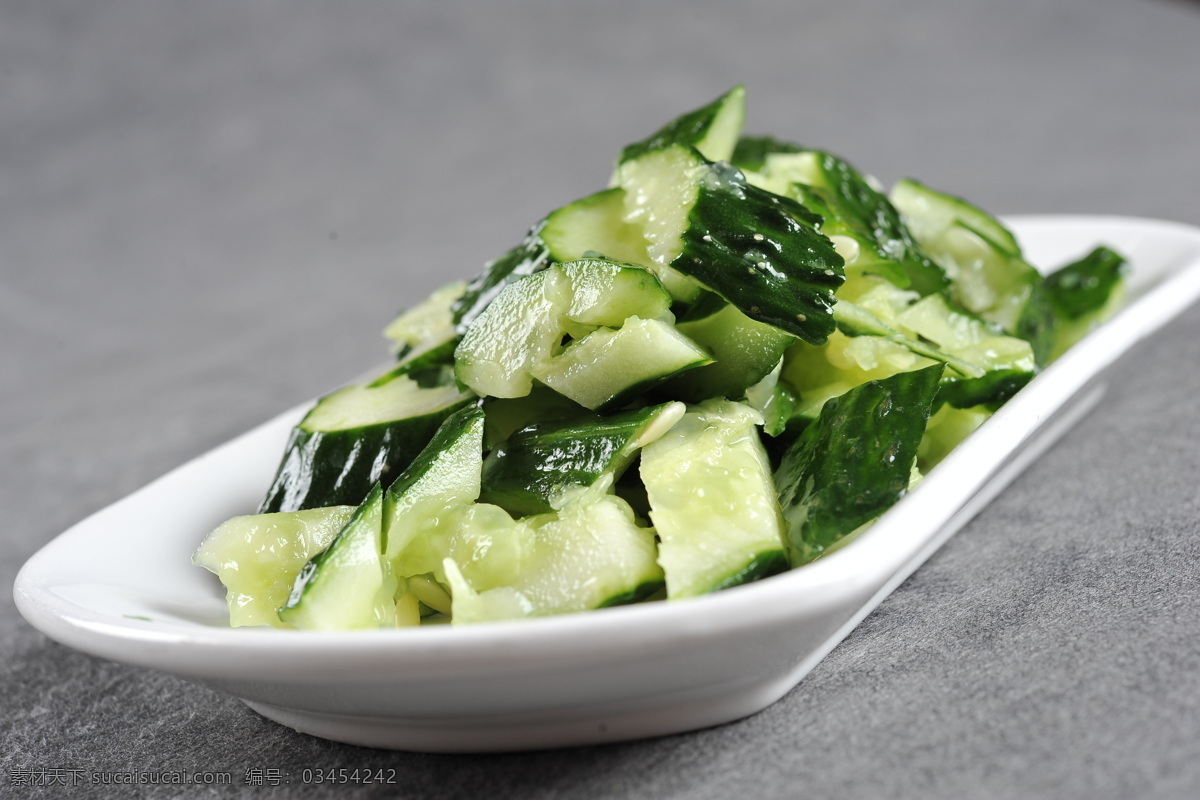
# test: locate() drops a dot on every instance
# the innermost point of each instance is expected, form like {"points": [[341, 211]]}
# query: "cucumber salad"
{"points": [[723, 366]]}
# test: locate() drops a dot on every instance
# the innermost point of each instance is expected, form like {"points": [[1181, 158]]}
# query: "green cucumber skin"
{"points": [[635, 595], [464, 421], [751, 151], [536, 463], [862, 206], [764, 565], [855, 461], [1084, 287], [688, 129], [991, 390], [528, 257], [1036, 322], [849, 201], [311, 573], [338, 468], [763, 254]]}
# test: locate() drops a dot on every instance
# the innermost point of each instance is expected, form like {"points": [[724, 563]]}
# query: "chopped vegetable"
{"points": [[726, 365]]}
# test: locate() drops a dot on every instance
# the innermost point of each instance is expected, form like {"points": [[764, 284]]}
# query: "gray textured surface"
{"points": [[207, 211]]}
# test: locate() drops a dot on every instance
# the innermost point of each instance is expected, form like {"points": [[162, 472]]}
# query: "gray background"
{"points": [[209, 210]]}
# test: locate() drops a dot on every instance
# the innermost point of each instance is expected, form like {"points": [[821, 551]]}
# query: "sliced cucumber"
{"points": [[356, 437], [744, 351], [347, 585], [853, 206], [427, 326], [488, 546], [713, 129], [594, 226], [775, 400], [257, 558], [930, 212], [590, 554], [444, 474], [982, 258], [707, 227], [712, 501], [608, 367], [855, 461], [528, 257], [507, 415], [1083, 294], [533, 468], [524, 326], [947, 428], [751, 152]]}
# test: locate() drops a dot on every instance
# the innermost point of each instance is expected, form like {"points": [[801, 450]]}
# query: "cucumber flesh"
{"points": [[594, 225], [488, 546], [982, 258], [524, 326], [712, 501], [529, 471], [589, 554], [427, 325], [527, 258], [929, 213], [356, 437], [444, 474], [947, 428], [744, 351], [607, 367], [713, 129], [347, 585], [257, 558], [855, 461]]}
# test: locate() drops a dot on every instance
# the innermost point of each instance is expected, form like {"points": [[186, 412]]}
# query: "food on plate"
{"points": [[725, 365]]}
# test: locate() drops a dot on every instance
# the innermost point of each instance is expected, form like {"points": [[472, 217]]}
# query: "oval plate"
{"points": [[120, 584]]}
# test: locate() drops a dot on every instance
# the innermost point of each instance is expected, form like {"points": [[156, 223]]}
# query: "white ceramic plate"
{"points": [[120, 584]]}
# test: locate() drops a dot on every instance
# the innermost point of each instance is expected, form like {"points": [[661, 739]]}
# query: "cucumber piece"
{"points": [[713, 129], [507, 415], [744, 351], [427, 326], [712, 501], [530, 470], [257, 558], [430, 512], [524, 326], [347, 585], [988, 275], [445, 473], [356, 437], [930, 212], [1083, 294], [855, 461], [488, 546], [608, 367], [853, 206], [775, 400], [947, 428], [985, 366], [528, 257], [588, 555], [751, 152], [707, 227], [594, 225]]}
